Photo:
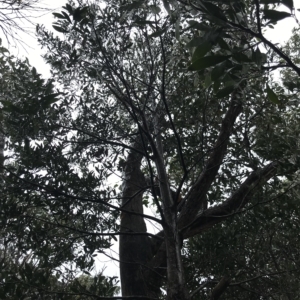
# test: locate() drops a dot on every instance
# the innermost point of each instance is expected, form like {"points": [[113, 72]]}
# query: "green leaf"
{"points": [[69, 8], [241, 57], [3, 50], [80, 13], [177, 30], [144, 22], [217, 72], [49, 87], [59, 16], [223, 44], [49, 99], [155, 9], [206, 61], [34, 73], [200, 26], [207, 81], [291, 85], [157, 33], [19, 292], [167, 6], [195, 42], [225, 91], [272, 96], [66, 17], [216, 85], [132, 6], [289, 4], [59, 29], [10, 107], [201, 51], [224, 1], [28, 269], [275, 15], [258, 57], [213, 10], [211, 36], [270, 1]]}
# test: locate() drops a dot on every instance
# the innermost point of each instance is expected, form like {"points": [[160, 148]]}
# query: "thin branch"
{"points": [[102, 140], [199, 288], [59, 193], [95, 233], [262, 275], [258, 35], [257, 17], [270, 44], [163, 95]]}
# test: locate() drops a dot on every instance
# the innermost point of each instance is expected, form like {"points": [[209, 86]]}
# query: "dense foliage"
{"points": [[150, 103]]}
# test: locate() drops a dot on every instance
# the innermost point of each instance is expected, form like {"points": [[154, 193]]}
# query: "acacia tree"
{"points": [[176, 99]]}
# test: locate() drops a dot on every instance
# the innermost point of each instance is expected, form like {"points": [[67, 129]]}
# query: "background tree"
{"points": [[27, 268], [176, 99]]}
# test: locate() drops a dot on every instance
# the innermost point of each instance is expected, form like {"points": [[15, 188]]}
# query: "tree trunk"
{"points": [[135, 250], [176, 288], [2, 140]]}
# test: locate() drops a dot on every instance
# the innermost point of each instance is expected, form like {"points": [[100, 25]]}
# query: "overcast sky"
{"points": [[280, 34]]}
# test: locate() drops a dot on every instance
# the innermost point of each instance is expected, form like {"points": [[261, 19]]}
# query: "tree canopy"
{"points": [[182, 106]]}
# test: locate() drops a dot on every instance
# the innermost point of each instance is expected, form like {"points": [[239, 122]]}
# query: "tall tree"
{"points": [[176, 100], [27, 270]]}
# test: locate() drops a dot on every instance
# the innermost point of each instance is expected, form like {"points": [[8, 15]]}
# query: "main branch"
{"points": [[198, 192]]}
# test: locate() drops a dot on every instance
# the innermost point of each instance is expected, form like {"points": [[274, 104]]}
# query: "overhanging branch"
{"points": [[233, 204]]}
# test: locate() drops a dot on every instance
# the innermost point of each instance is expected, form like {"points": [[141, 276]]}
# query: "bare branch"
{"points": [[60, 193], [17, 16]]}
